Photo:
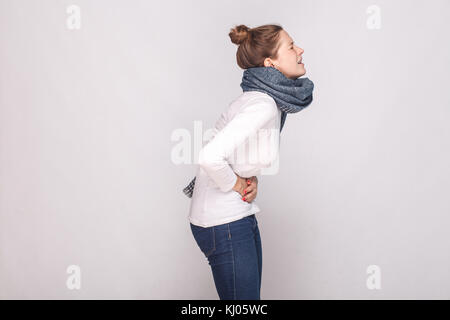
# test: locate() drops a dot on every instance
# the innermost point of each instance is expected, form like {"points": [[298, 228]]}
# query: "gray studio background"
{"points": [[87, 179]]}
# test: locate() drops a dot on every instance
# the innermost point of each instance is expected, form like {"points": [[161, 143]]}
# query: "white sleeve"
{"points": [[212, 157], [268, 152]]}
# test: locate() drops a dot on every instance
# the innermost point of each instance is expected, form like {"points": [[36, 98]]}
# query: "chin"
{"points": [[300, 71], [298, 75], [303, 72]]}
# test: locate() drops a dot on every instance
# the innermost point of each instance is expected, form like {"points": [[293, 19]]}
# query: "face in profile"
{"points": [[289, 56]]}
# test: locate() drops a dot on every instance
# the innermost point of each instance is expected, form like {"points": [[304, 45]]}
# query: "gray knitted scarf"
{"points": [[290, 95]]}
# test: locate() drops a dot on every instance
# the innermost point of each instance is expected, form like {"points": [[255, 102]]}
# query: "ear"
{"points": [[268, 62]]}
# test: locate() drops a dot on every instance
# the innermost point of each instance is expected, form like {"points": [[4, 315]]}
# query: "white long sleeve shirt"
{"points": [[245, 142]]}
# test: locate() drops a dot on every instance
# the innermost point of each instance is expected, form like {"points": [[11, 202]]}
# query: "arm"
{"points": [[212, 157]]}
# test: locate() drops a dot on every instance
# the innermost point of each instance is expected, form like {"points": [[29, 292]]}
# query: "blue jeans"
{"points": [[234, 253]]}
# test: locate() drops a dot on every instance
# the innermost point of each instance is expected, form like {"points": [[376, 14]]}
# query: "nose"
{"points": [[300, 51]]}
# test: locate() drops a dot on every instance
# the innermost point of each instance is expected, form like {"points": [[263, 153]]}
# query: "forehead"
{"points": [[286, 39]]}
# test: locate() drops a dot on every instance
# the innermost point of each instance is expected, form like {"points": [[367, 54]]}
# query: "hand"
{"points": [[246, 187], [251, 190], [240, 185]]}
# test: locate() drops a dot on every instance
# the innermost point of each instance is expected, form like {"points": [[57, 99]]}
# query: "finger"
{"points": [[246, 196], [249, 199], [250, 196], [249, 189]]}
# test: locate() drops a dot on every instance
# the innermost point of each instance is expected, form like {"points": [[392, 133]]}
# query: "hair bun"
{"points": [[239, 34]]}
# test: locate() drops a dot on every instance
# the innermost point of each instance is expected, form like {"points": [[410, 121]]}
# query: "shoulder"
{"points": [[259, 102]]}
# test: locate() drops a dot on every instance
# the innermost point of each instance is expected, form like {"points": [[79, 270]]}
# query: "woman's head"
{"points": [[267, 46]]}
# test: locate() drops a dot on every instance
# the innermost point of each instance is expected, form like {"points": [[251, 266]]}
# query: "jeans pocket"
{"points": [[205, 238]]}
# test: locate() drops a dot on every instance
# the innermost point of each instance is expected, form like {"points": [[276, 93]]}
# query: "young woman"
{"points": [[222, 212]]}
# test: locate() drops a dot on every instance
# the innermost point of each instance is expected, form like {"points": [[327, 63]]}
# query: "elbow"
{"points": [[270, 158]]}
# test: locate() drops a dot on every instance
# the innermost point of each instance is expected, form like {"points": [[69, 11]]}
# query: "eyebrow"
{"points": [[291, 43]]}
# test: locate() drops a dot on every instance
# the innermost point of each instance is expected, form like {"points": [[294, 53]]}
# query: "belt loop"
{"points": [[229, 232]]}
